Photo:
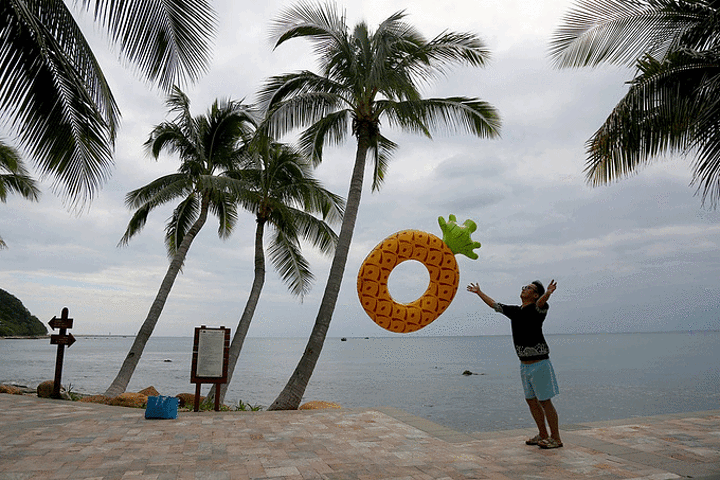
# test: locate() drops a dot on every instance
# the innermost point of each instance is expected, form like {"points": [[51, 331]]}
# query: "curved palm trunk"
{"points": [[291, 396], [247, 316], [122, 379]]}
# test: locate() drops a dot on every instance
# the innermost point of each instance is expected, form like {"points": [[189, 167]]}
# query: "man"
{"points": [[536, 371]]}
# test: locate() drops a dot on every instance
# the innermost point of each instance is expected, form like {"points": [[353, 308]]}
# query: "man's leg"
{"points": [[552, 418], [538, 414]]}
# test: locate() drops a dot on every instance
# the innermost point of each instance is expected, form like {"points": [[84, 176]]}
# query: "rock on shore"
{"points": [[318, 405], [11, 390], [45, 390], [127, 399]]}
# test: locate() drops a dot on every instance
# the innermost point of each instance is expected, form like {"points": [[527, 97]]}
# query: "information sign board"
{"points": [[210, 355], [211, 351]]}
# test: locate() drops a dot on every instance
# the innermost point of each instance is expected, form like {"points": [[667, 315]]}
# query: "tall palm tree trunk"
{"points": [[122, 379], [291, 396], [247, 316]]}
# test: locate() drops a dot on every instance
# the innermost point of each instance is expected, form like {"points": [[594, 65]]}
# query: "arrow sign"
{"points": [[62, 339], [60, 323]]}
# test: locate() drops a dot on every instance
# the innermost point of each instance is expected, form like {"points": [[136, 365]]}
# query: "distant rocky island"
{"points": [[16, 320]]}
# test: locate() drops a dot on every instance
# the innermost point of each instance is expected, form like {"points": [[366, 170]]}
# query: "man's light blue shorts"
{"points": [[539, 380]]}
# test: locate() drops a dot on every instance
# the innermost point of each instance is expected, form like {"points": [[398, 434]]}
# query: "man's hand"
{"points": [[551, 287], [548, 291], [475, 288]]}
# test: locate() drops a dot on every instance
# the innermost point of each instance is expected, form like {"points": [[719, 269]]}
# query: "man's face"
{"points": [[529, 293]]}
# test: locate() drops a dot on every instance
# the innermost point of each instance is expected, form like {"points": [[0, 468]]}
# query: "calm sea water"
{"points": [[601, 376]]}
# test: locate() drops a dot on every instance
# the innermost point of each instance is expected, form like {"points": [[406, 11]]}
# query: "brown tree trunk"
{"points": [[247, 315], [122, 379], [291, 396]]}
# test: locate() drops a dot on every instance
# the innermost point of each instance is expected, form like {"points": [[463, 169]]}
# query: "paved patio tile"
{"points": [[50, 439]]}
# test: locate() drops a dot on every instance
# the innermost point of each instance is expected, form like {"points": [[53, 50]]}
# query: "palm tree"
{"points": [[672, 103], [279, 189], [16, 180], [365, 77], [209, 147], [54, 93]]}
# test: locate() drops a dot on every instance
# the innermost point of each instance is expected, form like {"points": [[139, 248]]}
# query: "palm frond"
{"points": [[178, 102], [222, 205], [321, 23], [331, 129], [277, 185], [172, 138], [230, 125], [318, 200], [23, 185], [358, 67], [10, 160], [620, 31], [706, 169], [178, 225], [657, 115], [210, 149], [314, 230], [306, 195], [672, 105], [181, 135], [18, 179], [454, 114], [404, 115], [287, 259], [706, 142], [136, 224], [382, 153], [279, 88], [168, 41], [56, 97], [448, 48], [160, 191], [701, 34], [299, 111], [395, 27]]}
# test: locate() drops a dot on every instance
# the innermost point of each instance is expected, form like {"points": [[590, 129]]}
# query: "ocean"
{"points": [[601, 376]]}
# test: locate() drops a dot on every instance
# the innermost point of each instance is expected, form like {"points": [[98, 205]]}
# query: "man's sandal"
{"points": [[548, 443], [534, 440]]}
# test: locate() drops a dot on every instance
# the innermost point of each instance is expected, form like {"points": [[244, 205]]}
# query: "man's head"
{"points": [[532, 291], [539, 287]]}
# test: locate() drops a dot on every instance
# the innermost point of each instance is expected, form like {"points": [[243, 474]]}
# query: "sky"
{"points": [[638, 255]]}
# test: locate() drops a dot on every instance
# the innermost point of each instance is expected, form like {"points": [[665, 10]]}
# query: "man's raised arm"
{"points": [[475, 288], [549, 291]]}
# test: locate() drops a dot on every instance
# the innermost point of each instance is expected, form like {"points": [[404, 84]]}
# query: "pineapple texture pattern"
{"points": [[372, 285]]}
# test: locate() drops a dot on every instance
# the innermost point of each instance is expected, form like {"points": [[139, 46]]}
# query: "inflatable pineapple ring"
{"points": [[438, 256]]}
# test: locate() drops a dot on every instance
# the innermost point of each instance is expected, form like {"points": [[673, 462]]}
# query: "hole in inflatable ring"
{"points": [[408, 281]]}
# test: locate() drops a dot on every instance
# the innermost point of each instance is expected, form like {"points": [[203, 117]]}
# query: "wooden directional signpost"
{"points": [[61, 340], [211, 350]]}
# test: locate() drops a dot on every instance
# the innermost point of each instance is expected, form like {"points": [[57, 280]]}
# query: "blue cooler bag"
{"points": [[162, 407]]}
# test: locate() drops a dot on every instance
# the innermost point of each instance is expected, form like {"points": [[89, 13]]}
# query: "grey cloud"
{"points": [[636, 255]]}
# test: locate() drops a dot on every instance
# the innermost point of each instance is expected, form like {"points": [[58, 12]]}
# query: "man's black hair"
{"points": [[539, 287]]}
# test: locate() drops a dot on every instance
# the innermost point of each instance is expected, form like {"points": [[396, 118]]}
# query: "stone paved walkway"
{"points": [[51, 439]]}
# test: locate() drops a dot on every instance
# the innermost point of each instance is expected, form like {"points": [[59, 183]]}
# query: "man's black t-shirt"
{"points": [[526, 323]]}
